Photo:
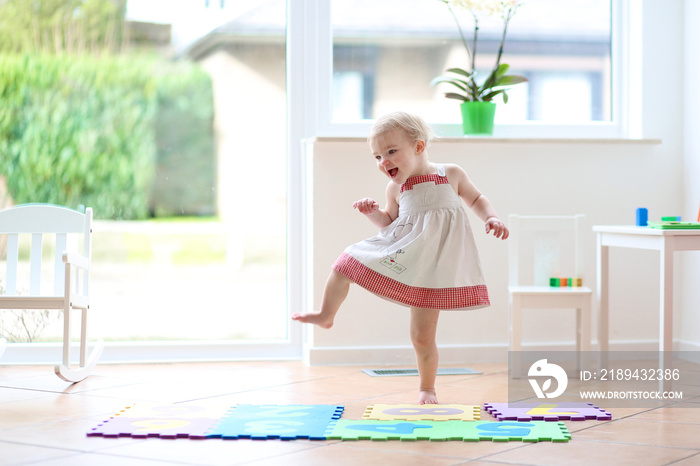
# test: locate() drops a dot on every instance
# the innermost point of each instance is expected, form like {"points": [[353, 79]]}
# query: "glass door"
{"points": [[198, 266]]}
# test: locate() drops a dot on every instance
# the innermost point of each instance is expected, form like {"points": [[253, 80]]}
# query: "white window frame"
{"points": [[318, 103]]}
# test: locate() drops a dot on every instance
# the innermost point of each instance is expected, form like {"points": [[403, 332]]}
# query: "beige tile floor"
{"points": [[44, 421]]}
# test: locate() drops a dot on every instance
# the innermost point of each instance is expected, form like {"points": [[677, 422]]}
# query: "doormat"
{"points": [[403, 372]]}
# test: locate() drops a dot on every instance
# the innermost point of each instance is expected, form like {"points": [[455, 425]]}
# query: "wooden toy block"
{"points": [[642, 217], [569, 281]]}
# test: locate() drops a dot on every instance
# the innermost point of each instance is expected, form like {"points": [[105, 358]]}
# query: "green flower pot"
{"points": [[477, 118]]}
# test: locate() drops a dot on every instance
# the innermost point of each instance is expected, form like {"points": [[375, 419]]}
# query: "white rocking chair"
{"points": [[71, 277]]}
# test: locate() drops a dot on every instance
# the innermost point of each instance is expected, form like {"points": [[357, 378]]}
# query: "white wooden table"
{"points": [[667, 242]]}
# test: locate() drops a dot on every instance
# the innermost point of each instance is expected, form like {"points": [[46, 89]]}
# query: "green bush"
{"points": [[185, 182], [82, 130]]}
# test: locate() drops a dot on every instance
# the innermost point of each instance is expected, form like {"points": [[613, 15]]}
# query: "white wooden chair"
{"points": [[71, 272], [540, 248]]}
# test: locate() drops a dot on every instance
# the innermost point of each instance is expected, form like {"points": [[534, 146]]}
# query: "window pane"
{"points": [[205, 256], [227, 279], [394, 52]]}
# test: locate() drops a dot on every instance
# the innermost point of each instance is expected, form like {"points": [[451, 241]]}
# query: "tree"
{"points": [[62, 26]]}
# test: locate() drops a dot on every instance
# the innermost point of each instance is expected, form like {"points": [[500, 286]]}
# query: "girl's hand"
{"points": [[498, 227], [366, 206]]}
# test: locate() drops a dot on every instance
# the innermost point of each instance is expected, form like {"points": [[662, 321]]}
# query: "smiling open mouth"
{"points": [[393, 172]]}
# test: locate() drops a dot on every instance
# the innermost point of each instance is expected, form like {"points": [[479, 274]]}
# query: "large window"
{"points": [[219, 256], [200, 269], [385, 61]]}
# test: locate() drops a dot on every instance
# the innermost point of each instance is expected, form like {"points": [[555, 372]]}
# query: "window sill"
{"points": [[501, 140]]}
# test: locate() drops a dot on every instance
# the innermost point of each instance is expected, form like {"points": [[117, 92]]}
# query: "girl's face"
{"points": [[397, 156]]}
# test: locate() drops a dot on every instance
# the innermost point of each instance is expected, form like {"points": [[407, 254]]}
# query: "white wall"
{"points": [[606, 181], [690, 334]]}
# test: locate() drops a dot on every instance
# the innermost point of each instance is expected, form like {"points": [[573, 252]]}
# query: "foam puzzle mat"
{"points": [[183, 411], [145, 420], [285, 422], [525, 412], [450, 412], [153, 427], [323, 422], [466, 431]]}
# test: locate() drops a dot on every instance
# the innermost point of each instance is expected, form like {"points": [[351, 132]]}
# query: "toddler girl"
{"points": [[424, 256]]}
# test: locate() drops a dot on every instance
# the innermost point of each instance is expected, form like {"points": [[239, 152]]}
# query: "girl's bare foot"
{"points": [[314, 318], [427, 397]]}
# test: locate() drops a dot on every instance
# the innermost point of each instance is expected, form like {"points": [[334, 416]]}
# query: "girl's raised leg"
{"points": [[334, 294], [423, 331]]}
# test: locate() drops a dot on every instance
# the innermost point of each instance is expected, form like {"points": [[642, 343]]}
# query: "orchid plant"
{"points": [[464, 80]]}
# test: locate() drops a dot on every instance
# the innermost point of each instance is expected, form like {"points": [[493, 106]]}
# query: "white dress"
{"points": [[427, 257]]}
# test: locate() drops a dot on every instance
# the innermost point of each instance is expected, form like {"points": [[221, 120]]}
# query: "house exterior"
{"points": [[385, 61]]}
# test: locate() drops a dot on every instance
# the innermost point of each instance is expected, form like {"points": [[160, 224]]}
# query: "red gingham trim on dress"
{"points": [[414, 180], [428, 298]]}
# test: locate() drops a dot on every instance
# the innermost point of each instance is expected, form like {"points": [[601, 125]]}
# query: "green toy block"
{"points": [[553, 281], [675, 225]]}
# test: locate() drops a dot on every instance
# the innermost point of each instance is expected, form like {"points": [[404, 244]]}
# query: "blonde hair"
{"points": [[414, 126]]}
